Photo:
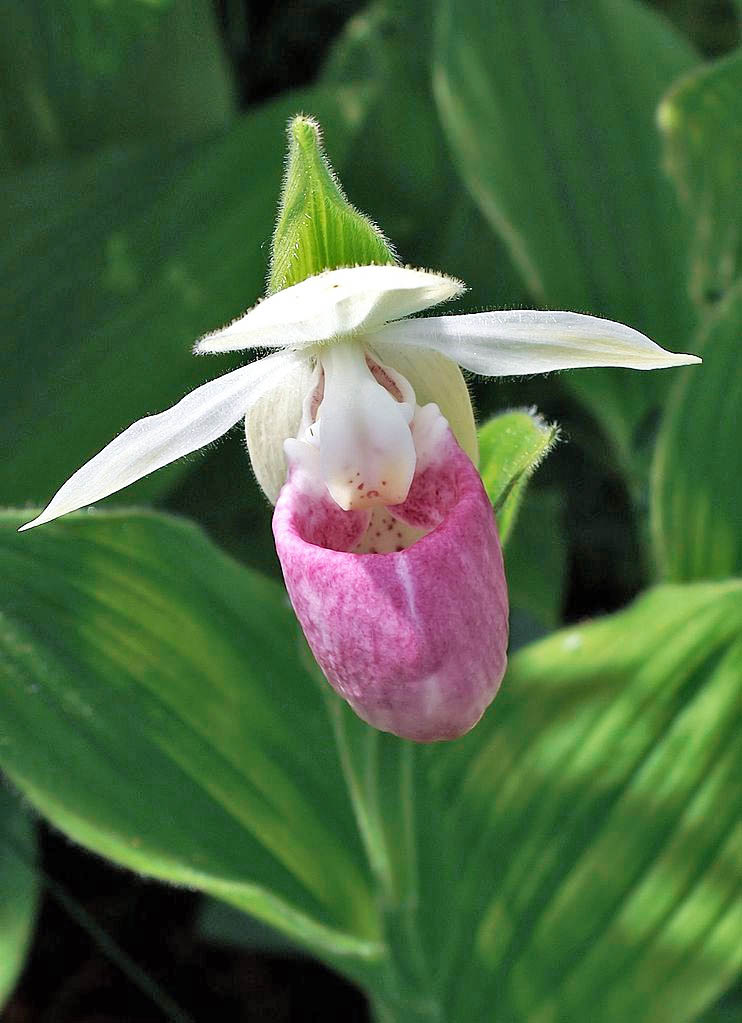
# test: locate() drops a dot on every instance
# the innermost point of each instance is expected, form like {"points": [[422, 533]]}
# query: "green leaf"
{"points": [[114, 265], [222, 924], [536, 557], [512, 446], [19, 889], [422, 207], [728, 1009], [317, 228], [155, 709], [701, 121], [79, 75], [696, 488], [580, 850], [549, 109], [574, 857]]}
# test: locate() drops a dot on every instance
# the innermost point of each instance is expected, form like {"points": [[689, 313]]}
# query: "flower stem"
{"points": [[379, 772]]}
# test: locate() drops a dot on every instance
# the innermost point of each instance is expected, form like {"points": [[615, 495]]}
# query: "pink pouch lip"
{"points": [[415, 640]]}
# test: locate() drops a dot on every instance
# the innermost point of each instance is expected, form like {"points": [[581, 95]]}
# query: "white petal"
{"points": [[199, 418], [273, 418], [523, 341], [367, 454], [333, 304]]}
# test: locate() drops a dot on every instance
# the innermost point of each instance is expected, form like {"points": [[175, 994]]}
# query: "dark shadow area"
{"points": [[71, 977]]}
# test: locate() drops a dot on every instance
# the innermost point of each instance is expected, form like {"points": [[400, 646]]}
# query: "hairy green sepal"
{"points": [[317, 228]]}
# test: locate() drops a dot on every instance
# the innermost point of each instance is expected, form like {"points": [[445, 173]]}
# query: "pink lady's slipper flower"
{"points": [[386, 537], [360, 430]]}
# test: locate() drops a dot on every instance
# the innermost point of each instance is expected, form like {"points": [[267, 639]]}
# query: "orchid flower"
{"points": [[360, 430]]}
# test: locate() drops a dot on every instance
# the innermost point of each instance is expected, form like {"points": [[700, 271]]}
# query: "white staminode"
{"points": [[367, 454], [363, 424]]}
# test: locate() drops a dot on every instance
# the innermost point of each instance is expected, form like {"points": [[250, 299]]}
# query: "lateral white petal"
{"points": [[332, 304], [199, 418], [524, 341], [273, 418]]}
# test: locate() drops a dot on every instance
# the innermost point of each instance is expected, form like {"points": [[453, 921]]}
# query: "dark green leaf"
{"points": [[701, 120], [19, 888], [222, 924], [113, 265], [536, 556], [550, 112], [155, 708], [696, 484], [728, 1009], [80, 74], [431, 220]]}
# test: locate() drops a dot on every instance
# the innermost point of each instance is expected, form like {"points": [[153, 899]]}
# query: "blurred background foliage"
{"points": [[577, 857]]}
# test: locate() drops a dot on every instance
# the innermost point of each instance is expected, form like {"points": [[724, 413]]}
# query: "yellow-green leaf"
{"points": [[586, 866], [154, 707]]}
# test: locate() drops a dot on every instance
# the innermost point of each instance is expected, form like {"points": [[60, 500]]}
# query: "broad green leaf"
{"points": [[317, 228], [580, 849], [549, 109], [701, 121], [154, 707], [696, 486], [575, 857], [113, 265], [512, 445], [19, 889], [536, 557], [81, 74]]}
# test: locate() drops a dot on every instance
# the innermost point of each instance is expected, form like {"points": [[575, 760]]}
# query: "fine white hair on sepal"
{"points": [[332, 305], [198, 419], [517, 342]]}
